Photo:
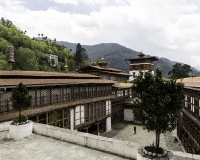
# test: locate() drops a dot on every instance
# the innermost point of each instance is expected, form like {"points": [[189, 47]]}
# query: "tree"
{"points": [[20, 99], [71, 65], [25, 59], [78, 56], [179, 71], [157, 103]]}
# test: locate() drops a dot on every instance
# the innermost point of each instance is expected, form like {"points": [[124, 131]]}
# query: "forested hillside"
{"points": [[31, 53], [116, 55]]}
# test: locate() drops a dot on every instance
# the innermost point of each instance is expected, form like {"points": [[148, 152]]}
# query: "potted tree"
{"points": [[158, 100], [20, 127]]}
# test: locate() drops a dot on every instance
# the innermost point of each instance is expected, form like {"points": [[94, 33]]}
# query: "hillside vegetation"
{"points": [[31, 53]]}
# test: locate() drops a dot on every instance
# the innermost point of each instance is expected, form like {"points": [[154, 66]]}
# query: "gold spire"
{"points": [[102, 59], [102, 62]]}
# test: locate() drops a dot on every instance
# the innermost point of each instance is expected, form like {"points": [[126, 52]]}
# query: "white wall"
{"points": [[128, 115], [131, 78], [118, 147]]}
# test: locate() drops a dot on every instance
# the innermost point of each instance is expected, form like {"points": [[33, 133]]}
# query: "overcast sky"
{"points": [[163, 28]]}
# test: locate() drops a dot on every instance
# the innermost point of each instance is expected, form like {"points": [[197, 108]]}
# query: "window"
{"points": [[199, 107], [192, 104], [133, 74], [186, 103], [108, 107]]}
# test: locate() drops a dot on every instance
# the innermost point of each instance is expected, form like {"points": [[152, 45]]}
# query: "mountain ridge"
{"points": [[114, 52]]}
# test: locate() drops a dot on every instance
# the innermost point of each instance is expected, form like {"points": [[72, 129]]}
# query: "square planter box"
{"points": [[18, 132]]}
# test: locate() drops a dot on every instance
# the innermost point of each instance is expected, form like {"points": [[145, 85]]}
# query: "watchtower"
{"points": [[143, 63]]}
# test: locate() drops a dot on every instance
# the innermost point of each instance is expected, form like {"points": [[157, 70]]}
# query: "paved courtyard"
{"points": [[124, 131], [38, 147]]}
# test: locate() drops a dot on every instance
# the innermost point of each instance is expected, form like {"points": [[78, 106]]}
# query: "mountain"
{"points": [[116, 55]]}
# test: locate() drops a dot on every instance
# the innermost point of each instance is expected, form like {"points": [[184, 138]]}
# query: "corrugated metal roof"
{"points": [[16, 73], [102, 68], [116, 73], [123, 85], [146, 57], [191, 81], [14, 82]]}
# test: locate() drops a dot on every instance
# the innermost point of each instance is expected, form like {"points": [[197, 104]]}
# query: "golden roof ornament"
{"points": [[11, 56], [102, 59], [102, 62], [66, 66]]}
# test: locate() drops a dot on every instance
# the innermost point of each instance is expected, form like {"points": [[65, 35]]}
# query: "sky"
{"points": [[163, 28]]}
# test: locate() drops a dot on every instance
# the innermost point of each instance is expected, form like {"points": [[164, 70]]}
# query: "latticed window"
{"points": [[5, 102], [68, 92]]}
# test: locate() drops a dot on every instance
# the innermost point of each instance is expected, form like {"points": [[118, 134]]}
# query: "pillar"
{"points": [[108, 124], [72, 118]]}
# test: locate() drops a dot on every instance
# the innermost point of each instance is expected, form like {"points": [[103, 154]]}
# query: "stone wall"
{"points": [[118, 147]]}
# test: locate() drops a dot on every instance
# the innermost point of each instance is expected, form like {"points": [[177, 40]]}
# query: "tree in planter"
{"points": [[20, 100], [157, 103]]}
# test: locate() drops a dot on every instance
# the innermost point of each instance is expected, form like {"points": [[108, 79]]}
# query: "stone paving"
{"points": [[38, 147], [124, 131]]}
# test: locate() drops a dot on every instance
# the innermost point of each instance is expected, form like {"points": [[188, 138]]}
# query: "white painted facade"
{"points": [[128, 115], [55, 57], [135, 73], [79, 115]]}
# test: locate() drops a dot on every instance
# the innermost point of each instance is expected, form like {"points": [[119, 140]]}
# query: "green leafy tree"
{"points": [[20, 99], [25, 59], [4, 46], [157, 103], [3, 65], [179, 71]]}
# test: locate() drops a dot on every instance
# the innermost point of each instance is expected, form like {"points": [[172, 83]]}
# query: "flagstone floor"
{"points": [[124, 131]]}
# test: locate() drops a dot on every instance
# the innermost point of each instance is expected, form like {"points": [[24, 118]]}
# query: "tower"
{"points": [[143, 63]]}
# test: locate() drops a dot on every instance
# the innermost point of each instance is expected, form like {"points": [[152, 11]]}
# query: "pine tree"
{"points": [[78, 56], [20, 99]]}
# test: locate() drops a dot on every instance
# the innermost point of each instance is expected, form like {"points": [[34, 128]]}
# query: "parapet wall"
{"points": [[118, 147]]}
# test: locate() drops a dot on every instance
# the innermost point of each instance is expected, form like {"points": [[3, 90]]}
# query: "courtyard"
{"points": [[124, 131]]}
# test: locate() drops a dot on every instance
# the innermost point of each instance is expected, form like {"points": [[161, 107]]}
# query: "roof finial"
{"points": [[102, 59], [141, 54]]}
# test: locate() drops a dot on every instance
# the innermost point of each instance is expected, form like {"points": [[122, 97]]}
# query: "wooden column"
{"points": [[63, 118], [47, 118], [98, 128], [37, 118]]}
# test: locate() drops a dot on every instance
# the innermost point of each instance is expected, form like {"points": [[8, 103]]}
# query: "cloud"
{"points": [[76, 2], [165, 28]]}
